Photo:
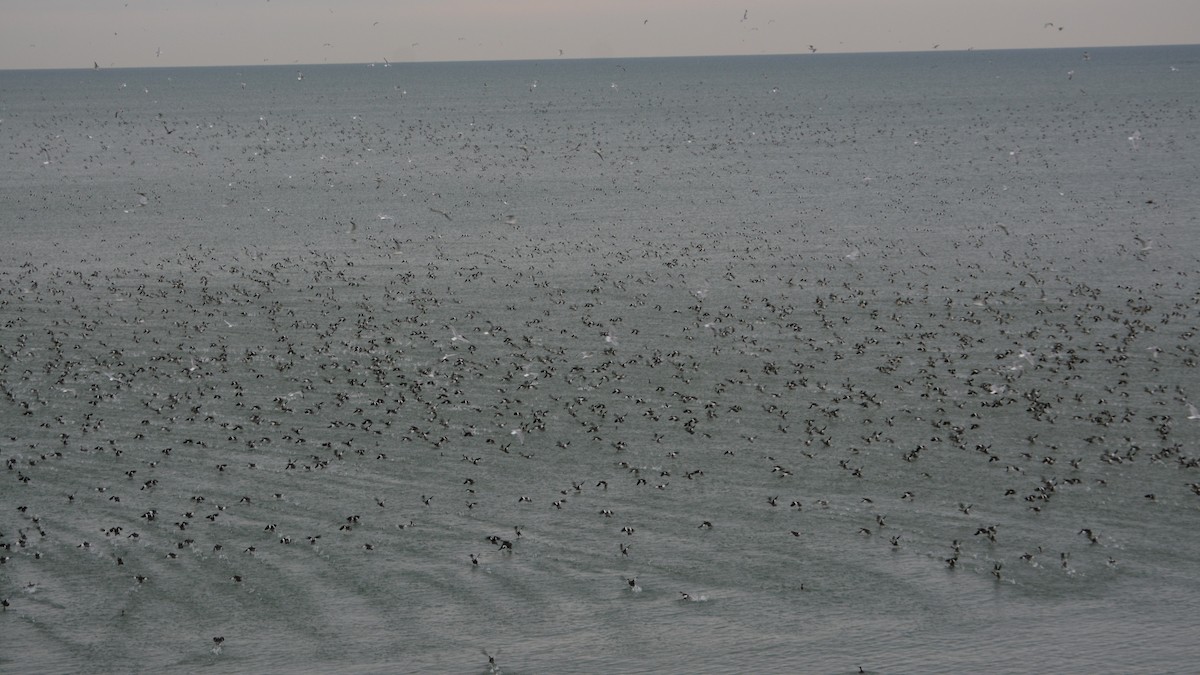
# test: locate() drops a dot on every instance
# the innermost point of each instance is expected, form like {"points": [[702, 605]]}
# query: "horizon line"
{"points": [[409, 62]]}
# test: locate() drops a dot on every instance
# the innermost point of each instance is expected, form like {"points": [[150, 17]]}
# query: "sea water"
{"points": [[773, 364]]}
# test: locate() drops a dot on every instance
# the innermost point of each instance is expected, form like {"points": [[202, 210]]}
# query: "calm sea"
{"points": [[766, 364]]}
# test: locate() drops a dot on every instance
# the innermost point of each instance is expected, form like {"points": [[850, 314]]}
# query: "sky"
{"points": [[140, 33]]}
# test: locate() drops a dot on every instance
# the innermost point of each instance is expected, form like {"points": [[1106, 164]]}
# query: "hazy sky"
{"points": [[120, 33]]}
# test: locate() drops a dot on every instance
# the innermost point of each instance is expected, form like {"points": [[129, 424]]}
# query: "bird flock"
{"points": [[262, 332]]}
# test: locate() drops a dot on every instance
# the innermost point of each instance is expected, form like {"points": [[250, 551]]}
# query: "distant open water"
{"points": [[885, 361]]}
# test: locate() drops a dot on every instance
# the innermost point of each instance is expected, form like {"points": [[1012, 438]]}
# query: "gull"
{"points": [[1135, 140], [1193, 413]]}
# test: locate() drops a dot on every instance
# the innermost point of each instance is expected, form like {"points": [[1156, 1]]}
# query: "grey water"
{"points": [[760, 364]]}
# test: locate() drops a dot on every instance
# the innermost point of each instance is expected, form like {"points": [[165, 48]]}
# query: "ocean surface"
{"points": [[797, 364]]}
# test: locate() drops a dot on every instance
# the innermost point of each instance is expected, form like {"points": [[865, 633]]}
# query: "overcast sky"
{"points": [[131, 33]]}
